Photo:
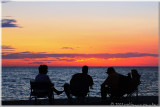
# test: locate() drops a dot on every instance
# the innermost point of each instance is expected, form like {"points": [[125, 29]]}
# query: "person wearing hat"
{"points": [[110, 85]]}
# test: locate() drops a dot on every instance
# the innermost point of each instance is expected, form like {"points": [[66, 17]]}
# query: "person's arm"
{"points": [[50, 82], [72, 79], [90, 82], [106, 82], [129, 75]]}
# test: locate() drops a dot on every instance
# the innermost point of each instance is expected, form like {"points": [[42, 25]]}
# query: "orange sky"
{"points": [[33, 32]]}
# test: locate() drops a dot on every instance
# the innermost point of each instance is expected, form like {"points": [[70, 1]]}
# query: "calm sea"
{"points": [[16, 80]]}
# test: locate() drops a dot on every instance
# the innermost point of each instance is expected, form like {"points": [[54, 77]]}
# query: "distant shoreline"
{"points": [[142, 100]]}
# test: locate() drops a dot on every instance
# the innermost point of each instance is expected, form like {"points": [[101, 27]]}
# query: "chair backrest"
{"points": [[131, 84], [39, 88], [134, 83]]}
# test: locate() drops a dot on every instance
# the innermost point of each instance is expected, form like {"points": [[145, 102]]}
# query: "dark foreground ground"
{"points": [[142, 100]]}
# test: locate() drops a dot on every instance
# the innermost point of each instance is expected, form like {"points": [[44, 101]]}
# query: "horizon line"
{"points": [[81, 66]]}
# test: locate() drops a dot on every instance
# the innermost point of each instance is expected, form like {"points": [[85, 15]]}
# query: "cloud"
{"points": [[36, 63], [52, 60], [9, 23], [65, 59], [48, 60], [67, 48], [26, 52], [39, 62], [7, 16], [5, 1], [22, 55], [7, 48]]}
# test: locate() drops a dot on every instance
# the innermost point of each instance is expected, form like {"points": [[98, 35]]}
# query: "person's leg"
{"points": [[104, 91], [67, 90], [51, 94], [51, 97]]}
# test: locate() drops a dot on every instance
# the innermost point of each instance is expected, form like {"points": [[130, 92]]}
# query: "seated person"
{"points": [[79, 84], [110, 85], [116, 85], [43, 77]]}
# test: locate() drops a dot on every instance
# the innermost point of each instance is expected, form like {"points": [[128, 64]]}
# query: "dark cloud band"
{"points": [[23, 55]]}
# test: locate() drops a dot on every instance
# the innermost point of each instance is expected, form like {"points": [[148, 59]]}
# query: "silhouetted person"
{"points": [[111, 84], [116, 85], [79, 84], [43, 77]]}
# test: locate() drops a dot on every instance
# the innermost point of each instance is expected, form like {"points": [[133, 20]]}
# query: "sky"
{"points": [[80, 33]]}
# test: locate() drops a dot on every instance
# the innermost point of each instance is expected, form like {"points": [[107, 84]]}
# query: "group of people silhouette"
{"points": [[115, 85]]}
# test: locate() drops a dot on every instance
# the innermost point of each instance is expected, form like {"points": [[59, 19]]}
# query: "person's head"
{"points": [[85, 69], [43, 69], [110, 70], [134, 72]]}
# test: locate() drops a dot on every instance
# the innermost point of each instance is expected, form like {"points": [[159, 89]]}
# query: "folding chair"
{"points": [[130, 95], [126, 89], [40, 90], [134, 90]]}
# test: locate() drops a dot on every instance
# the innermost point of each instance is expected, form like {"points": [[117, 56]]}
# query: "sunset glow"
{"points": [[80, 33]]}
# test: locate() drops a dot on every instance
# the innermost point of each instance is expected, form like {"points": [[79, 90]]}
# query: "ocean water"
{"points": [[16, 80]]}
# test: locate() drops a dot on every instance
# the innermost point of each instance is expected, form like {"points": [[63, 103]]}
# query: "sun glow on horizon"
{"points": [[82, 33]]}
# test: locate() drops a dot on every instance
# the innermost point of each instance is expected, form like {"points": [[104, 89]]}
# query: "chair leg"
{"points": [[129, 98], [87, 94], [51, 100], [30, 98], [137, 96], [36, 100]]}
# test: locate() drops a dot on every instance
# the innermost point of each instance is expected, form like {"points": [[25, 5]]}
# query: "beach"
{"points": [[142, 100]]}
